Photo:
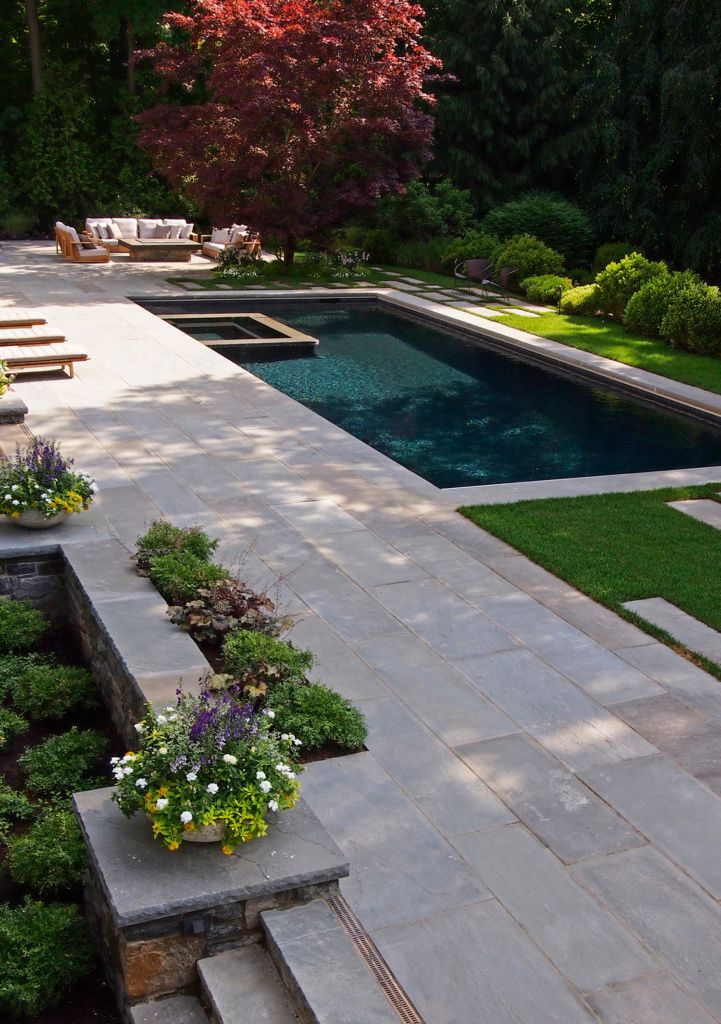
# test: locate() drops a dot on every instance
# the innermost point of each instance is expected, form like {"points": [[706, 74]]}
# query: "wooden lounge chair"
{"points": [[75, 249], [18, 318], [29, 336], [42, 358]]}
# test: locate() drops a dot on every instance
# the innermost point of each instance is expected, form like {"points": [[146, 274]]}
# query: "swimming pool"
{"points": [[457, 412]]}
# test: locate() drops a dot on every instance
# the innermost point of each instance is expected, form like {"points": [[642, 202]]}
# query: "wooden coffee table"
{"points": [[159, 250]]}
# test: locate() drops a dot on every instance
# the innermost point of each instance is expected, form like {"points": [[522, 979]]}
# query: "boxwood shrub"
{"points": [[619, 281], [44, 950], [180, 576], [317, 716], [14, 807], [693, 319], [581, 301], [648, 306], [530, 256], [11, 725], [473, 245], [546, 288], [41, 688], [50, 858], [558, 223], [610, 252], [21, 626], [65, 764]]}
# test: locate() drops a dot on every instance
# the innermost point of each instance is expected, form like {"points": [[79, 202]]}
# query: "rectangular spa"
{"points": [[458, 412]]}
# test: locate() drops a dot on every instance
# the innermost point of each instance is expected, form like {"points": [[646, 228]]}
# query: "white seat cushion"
{"points": [[175, 227], [128, 226], [115, 231], [146, 227], [90, 254], [213, 248], [186, 230], [220, 236]]}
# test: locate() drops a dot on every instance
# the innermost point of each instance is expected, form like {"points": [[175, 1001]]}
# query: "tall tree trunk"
{"points": [[132, 80], [36, 50], [289, 249]]}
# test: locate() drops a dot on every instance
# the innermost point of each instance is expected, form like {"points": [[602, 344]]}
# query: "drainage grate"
{"points": [[373, 960]]}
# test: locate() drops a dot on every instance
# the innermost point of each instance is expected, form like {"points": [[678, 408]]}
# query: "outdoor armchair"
{"points": [[474, 271]]}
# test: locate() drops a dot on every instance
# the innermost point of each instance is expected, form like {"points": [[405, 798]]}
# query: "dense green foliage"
{"points": [[693, 319], [14, 806], [317, 716], [11, 724], [65, 764], [162, 538], [546, 288], [619, 281], [40, 688], [50, 858], [563, 226], [260, 662], [529, 256], [672, 555], [21, 626], [648, 306], [179, 576], [44, 949]]}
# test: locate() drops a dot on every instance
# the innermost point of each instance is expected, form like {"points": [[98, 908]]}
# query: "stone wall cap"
{"points": [[143, 881]]}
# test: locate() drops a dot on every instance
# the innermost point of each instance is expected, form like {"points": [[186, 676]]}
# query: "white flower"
{"points": [[126, 758], [114, 760], [297, 743], [94, 487], [118, 773], [265, 786], [127, 771], [162, 719], [230, 758], [185, 817], [169, 708], [260, 775], [8, 497], [162, 750], [15, 501], [15, 487], [191, 776], [138, 727], [269, 712], [141, 783], [161, 803], [212, 788], [284, 736], [282, 768], [272, 805]]}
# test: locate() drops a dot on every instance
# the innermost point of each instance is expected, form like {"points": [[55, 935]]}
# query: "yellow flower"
{"points": [[163, 791], [174, 845], [226, 849], [189, 826]]}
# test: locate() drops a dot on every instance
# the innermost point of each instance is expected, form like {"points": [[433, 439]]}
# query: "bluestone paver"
{"points": [[176, 1010], [476, 964], [705, 510], [335, 664], [677, 813], [657, 999], [548, 798], [243, 985], [554, 711], [677, 675], [318, 518], [668, 911], [367, 559], [584, 941], [695, 635]]}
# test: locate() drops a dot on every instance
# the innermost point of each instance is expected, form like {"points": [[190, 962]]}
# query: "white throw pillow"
{"points": [[115, 231], [102, 229], [161, 231], [175, 227], [146, 227], [220, 236], [128, 226], [238, 234], [186, 230]]}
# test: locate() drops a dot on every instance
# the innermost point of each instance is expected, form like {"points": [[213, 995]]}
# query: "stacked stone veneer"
{"points": [[153, 913]]}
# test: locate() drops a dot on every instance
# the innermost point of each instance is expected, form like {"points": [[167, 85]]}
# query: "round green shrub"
{"points": [[693, 319], [562, 225], [261, 662], [317, 716], [619, 281], [162, 538], [381, 245], [14, 806], [43, 689], [582, 301], [50, 858], [610, 252], [530, 257], [422, 211], [648, 306], [65, 764], [11, 725], [21, 626], [547, 288], [44, 950], [473, 245], [180, 576]]}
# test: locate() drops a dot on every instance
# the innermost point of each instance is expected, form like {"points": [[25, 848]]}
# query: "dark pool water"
{"points": [[457, 413]]}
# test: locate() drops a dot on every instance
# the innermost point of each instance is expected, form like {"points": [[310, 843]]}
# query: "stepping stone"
{"points": [[437, 296], [695, 635], [243, 985], [705, 510], [483, 311], [415, 281], [405, 286], [513, 311], [176, 1010]]}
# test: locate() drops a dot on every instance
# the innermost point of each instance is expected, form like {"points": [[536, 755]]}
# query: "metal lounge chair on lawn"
{"points": [[472, 272]]}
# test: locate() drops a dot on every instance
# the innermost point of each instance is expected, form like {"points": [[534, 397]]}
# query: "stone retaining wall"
{"points": [[39, 577]]}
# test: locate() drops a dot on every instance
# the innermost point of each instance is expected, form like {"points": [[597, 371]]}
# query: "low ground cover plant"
{"points": [[208, 760], [6, 378], [317, 716], [65, 764], [162, 538], [230, 604], [179, 576], [21, 626], [14, 807], [41, 688], [581, 301], [11, 725], [50, 858], [44, 948], [258, 662]]}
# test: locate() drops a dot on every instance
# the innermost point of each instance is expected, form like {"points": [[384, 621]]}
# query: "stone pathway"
{"points": [[695, 635], [533, 830], [705, 510]]}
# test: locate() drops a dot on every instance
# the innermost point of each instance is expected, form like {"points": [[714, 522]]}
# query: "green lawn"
{"points": [[620, 547], [613, 341]]}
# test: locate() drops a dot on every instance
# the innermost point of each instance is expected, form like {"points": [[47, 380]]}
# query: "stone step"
{"points": [[176, 1010], [242, 986], [692, 633], [327, 980]]}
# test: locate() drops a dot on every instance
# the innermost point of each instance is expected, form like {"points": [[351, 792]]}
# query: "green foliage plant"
{"points": [[562, 225], [317, 716], [163, 538], [530, 256], [21, 626], [11, 725], [260, 662], [648, 306], [422, 211], [41, 688], [619, 281], [50, 858], [180, 576], [473, 245], [208, 760], [6, 378], [14, 807], [44, 950], [693, 319], [226, 606], [610, 252], [547, 288], [64, 764], [581, 301]]}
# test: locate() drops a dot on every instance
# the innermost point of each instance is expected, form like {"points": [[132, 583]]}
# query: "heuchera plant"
{"points": [[210, 760], [41, 478]]}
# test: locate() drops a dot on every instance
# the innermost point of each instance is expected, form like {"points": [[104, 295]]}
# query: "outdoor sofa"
{"points": [[237, 236], [76, 249], [109, 231]]}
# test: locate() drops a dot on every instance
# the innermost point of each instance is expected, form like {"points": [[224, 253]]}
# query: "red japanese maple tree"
{"points": [[292, 114]]}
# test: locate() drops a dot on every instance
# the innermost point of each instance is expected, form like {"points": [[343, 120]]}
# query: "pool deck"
{"points": [[525, 845]]}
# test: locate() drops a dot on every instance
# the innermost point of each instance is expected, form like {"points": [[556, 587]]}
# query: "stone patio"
{"points": [[529, 839]]}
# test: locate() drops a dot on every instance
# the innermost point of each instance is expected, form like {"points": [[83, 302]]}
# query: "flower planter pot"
{"points": [[204, 834], [31, 519]]}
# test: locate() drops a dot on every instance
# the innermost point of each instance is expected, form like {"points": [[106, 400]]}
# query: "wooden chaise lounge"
{"points": [[19, 318], [29, 336], [42, 357]]}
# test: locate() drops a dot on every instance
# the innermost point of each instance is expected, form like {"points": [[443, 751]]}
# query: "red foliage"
{"points": [[294, 113]]}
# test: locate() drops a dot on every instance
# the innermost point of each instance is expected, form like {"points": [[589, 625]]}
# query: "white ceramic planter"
{"points": [[204, 834], [31, 519]]}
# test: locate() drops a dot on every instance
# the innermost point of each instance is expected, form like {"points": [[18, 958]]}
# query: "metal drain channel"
{"points": [[371, 957]]}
